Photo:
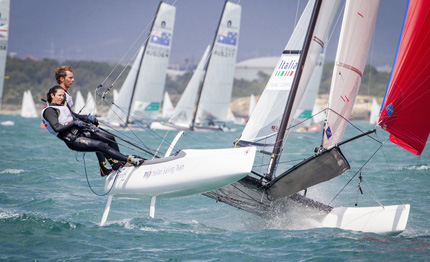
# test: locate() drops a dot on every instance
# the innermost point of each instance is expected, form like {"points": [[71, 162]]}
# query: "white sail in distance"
{"points": [[218, 81], [167, 106], [79, 103], [147, 77], [4, 36], [184, 110], [356, 34], [28, 109]]}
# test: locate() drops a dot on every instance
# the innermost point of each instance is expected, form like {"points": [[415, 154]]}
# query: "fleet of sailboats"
{"points": [[205, 104]]}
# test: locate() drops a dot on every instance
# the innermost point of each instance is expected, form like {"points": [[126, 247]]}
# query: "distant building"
{"points": [[247, 69]]}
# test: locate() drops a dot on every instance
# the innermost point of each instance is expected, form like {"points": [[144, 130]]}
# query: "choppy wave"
{"points": [[12, 171], [418, 167], [7, 123]]}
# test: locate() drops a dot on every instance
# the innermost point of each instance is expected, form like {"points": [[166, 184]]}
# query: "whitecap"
{"points": [[12, 171], [7, 123]]}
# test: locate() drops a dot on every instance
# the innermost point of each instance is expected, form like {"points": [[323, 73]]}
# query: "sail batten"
{"points": [[404, 112]]}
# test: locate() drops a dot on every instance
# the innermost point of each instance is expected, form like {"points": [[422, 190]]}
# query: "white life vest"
{"points": [[64, 117], [69, 99]]}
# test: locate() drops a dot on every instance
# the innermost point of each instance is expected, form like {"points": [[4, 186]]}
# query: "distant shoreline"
{"points": [[240, 107]]}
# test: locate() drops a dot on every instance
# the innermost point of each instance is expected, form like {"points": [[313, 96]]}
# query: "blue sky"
{"points": [[103, 30]]}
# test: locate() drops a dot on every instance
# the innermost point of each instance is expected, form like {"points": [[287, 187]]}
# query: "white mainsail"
{"points": [[79, 103], [218, 82], [28, 109], [356, 34], [4, 31], [143, 89], [183, 113], [167, 106], [263, 125]]}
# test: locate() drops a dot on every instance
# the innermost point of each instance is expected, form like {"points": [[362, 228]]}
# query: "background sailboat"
{"points": [[4, 31], [79, 103], [141, 94], [214, 98], [28, 109], [168, 108], [182, 116], [374, 112]]}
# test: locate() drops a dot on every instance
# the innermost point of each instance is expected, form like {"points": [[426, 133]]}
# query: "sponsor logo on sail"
{"points": [[389, 109], [328, 133], [287, 68]]}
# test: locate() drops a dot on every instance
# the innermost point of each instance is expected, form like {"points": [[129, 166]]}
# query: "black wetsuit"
{"points": [[83, 139]]}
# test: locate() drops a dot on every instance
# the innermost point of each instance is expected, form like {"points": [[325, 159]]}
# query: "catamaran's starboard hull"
{"points": [[187, 173], [380, 219]]}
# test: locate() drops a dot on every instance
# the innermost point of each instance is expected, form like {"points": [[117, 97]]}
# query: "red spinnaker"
{"points": [[405, 112]]}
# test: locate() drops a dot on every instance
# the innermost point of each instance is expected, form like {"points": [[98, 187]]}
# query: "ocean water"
{"points": [[49, 213]]}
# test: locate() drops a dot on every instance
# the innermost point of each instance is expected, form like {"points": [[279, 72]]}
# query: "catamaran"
{"points": [[262, 193]]}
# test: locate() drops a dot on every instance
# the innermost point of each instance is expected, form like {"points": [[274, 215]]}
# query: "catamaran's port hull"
{"points": [[187, 173]]}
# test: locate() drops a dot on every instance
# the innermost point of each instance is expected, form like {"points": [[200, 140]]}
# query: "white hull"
{"points": [[379, 220], [190, 172]]}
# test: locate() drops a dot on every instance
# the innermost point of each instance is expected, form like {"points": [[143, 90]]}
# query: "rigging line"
{"points": [[359, 170], [407, 178], [88, 181], [129, 49], [335, 24], [136, 122], [152, 133], [164, 139], [129, 142], [297, 14], [349, 122]]}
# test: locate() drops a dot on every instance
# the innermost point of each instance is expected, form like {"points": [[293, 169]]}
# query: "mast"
{"points": [[140, 65], [199, 93], [289, 105]]}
